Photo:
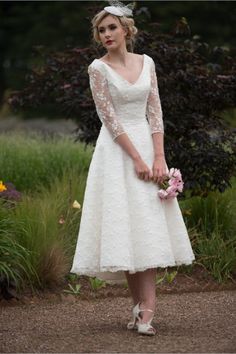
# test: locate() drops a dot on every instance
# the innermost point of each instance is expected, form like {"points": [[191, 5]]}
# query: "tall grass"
{"points": [[46, 225], [214, 220], [15, 262], [41, 231], [29, 161], [213, 213]]}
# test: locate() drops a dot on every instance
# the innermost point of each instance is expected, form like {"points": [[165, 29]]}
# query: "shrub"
{"points": [[196, 84]]}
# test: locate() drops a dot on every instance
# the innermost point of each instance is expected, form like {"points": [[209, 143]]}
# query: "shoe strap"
{"points": [[146, 310]]}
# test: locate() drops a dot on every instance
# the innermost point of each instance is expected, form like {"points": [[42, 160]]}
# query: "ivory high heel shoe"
{"points": [[143, 328], [133, 324]]}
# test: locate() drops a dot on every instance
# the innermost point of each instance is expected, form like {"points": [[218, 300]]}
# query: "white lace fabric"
{"points": [[124, 225], [105, 108], [154, 110], [103, 102]]}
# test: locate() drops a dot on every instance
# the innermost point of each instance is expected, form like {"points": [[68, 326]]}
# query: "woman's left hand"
{"points": [[160, 169]]}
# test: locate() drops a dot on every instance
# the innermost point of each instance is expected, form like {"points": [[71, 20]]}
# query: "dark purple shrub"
{"points": [[196, 83], [10, 196]]}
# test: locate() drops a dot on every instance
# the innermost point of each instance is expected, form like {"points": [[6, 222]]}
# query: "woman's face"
{"points": [[110, 29]]}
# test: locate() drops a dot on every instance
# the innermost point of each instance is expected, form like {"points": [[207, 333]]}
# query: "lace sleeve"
{"points": [[154, 110], [103, 102]]}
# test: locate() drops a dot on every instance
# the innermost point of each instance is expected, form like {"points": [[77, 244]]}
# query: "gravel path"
{"points": [[203, 322]]}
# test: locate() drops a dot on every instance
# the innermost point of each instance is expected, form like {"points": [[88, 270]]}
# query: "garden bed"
{"points": [[198, 281]]}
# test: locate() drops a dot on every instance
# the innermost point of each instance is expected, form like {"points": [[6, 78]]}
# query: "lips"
{"points": [[109, 42]]}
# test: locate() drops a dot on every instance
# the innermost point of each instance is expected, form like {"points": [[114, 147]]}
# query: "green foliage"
{"points": [[196, 84], [215, 213], [213, 219], [96, 283], [76, 290], [168, 276], [72, 277], [51, 175], [15, 261], [217, 255], [32, 162], [125, 284], [159, 279], [44, 226]]}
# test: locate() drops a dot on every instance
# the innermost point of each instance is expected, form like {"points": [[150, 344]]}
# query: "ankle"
{"points": [[147, 305]]}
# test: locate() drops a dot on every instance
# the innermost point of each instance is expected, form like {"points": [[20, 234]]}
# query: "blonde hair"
{"points": [[126, 22]]}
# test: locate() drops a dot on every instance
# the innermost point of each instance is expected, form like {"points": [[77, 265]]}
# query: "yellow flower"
{"points": [[76, 205], [2, 187]]}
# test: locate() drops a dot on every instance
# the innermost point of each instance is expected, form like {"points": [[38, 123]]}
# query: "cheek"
{"points": [[99, 36], [120, 34]]}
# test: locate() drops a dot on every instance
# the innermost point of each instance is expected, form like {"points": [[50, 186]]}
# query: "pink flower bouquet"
{"points": [[172, 185]]}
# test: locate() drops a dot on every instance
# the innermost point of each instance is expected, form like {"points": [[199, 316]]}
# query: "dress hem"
{"points": [[89, 271]]}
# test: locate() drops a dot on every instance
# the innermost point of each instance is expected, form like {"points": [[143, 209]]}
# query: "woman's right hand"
{"points": [[142, 170]]}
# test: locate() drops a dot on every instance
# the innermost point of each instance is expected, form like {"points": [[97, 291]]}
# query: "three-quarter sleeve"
{"points": [[154, 110], [103, 102]]}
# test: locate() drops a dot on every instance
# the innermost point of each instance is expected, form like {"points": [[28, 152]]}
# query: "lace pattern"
{"points": [[154, 110], [103, 102], [122, 215]]}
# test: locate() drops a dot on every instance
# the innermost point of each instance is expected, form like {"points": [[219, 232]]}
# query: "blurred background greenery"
{"points": [[57, 25]]}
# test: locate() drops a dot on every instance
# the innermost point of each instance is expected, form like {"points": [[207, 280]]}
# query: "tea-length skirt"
{"points": [[124, 225]]}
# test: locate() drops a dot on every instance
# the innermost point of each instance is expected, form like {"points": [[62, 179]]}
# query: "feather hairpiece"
{"points": [[119, 9]]}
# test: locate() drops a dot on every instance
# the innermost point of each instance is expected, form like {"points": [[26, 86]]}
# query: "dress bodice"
{"points": [[119, 102]]}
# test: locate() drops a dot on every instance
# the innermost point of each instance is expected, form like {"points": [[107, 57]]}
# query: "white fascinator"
{"points": [[119, 9]]}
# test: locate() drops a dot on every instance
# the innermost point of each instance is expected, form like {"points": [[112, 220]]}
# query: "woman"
{"points": [[125, 228]]}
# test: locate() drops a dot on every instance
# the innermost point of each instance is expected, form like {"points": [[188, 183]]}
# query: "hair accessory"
{"points": [[119, 9]]}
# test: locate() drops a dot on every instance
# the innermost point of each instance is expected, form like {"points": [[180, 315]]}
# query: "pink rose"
{"points": [[162, 193], [172, 186]]}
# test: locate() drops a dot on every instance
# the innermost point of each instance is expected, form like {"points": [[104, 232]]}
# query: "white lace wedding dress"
{"points": [[124, 225]]}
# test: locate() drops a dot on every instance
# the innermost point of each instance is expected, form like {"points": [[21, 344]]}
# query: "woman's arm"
{"points": [[155, 118], [158, 143], [141, 168], [125, 142], [107, 115]]}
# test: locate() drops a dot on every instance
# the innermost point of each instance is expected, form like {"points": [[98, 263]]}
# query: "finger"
{"points": [[150, 174], [141, 175], [155, 179], [155, 176], [161, 177]]}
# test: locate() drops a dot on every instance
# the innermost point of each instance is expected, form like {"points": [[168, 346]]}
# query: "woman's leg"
{"points": [[134, 287], [147, 291], [142, 287]]}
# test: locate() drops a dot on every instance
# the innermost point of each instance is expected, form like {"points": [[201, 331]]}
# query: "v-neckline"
{"points": [[130, 83]]}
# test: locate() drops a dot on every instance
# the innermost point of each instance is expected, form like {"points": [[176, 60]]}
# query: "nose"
{"points": [[107, 33]]}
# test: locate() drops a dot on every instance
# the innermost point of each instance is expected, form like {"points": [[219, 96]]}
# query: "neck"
{"points": [[119, 56]]}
